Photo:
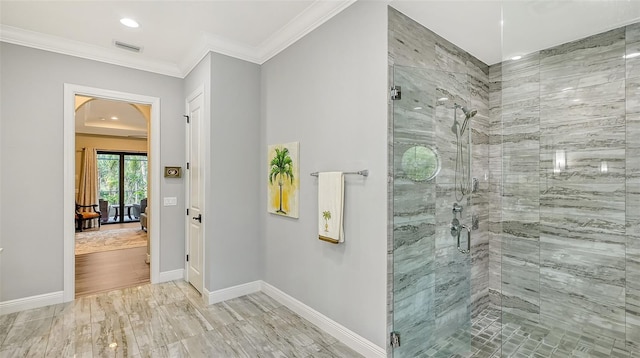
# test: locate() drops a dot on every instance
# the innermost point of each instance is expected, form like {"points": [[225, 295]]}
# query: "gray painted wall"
{"points": [[32, 155], [328, 91], [233, 247]]}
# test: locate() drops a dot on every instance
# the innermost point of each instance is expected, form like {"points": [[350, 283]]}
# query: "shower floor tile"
{"points": [[492, 339]]}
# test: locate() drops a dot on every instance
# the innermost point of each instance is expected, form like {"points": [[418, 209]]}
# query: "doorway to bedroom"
{"points": [[111, 241]]}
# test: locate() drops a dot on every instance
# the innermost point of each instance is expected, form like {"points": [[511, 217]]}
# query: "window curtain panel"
{"points": [[88, 186]]}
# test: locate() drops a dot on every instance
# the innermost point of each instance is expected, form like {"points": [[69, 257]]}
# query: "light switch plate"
{"points": [[170, 201]]}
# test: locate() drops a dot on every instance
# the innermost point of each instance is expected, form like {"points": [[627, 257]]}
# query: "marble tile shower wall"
{"points": [[632, 220], [431, 280], [565, 177]]}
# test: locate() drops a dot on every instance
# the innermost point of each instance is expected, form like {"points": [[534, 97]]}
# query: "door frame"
{"points": [[205, 129], [69, 131]]}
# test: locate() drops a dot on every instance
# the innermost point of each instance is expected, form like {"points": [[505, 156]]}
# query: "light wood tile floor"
{"points": [[164, 320]]}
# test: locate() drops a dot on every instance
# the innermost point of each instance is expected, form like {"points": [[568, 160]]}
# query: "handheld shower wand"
{"points": [[463, 167]]}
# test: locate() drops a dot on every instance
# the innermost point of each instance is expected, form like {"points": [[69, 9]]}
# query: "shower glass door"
{"points": [[431, 276]]}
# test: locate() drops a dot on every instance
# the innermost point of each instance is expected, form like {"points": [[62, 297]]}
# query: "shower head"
{"points": [[467, 115], [470, 113]]}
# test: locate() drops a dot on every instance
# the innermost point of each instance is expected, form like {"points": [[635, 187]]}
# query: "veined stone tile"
{"points": [[167, 293], [174, 350], [521, 118], [633, 165], [31, 331], [210, 344], [152, 328], [413, 199], [591, 61], [528, 65], [633, 95], [6, 321], [632, 209], [114, 329], [633, 63], [69, 338], [450, 57], [409, 42], [33, 347], [75, 312], [593, 213], [304, 327], [185, 319], [413, 126], [413, 260], [576, 311], [520, 210], [601, 280], [633, 318], [521, 87], [110, 304], [515, 297], [585, 107], [36, 314], [603, 166], [521, 164], [452, 290], [633, 32]]}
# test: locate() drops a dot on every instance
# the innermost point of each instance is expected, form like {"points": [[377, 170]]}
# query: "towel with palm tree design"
{"points": [[330, 207]]}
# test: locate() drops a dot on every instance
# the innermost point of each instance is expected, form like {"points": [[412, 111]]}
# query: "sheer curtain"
{"points": [[88, 186]]}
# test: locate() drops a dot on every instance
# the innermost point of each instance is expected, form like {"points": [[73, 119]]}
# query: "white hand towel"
{"points": [[330, 207]]}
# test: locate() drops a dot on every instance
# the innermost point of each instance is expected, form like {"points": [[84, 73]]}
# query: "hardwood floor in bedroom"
{"points": [[109, 270]]}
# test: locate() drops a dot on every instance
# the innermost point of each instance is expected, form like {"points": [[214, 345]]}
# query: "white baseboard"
{"points": [[232, 292], [27, 303], [341, 333], [167, 276]]}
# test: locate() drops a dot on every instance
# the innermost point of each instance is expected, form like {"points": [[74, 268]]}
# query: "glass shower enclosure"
{"points": [[432, 212]]}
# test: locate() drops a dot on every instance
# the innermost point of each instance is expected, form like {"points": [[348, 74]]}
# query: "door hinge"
{"points": [[395, 339], [187, 258], [396, 93], [187, 211], [187, 117], [187, 165]]}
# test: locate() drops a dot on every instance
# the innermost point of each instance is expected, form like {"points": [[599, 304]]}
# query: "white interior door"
{"points": [[195, 246]]}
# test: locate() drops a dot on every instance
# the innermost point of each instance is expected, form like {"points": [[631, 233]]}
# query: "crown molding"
{"points": [[319, 12], [311, 18], [63, 46], [208, 43]]}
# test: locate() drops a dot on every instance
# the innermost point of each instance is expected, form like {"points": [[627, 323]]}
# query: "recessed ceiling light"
{"points": [[114, 118], [632, 55], [515, 58], [443, 99], [129, 22], [102, 118], [417, 108]]}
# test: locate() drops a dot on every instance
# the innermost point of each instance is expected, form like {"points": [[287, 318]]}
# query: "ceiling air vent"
{"points": [[126, 46]]}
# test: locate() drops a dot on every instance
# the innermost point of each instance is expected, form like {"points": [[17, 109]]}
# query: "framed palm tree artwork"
{"points": [[284, 183]]}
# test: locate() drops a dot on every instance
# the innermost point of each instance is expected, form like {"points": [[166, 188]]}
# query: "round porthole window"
{"points": [[420, 163]]}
